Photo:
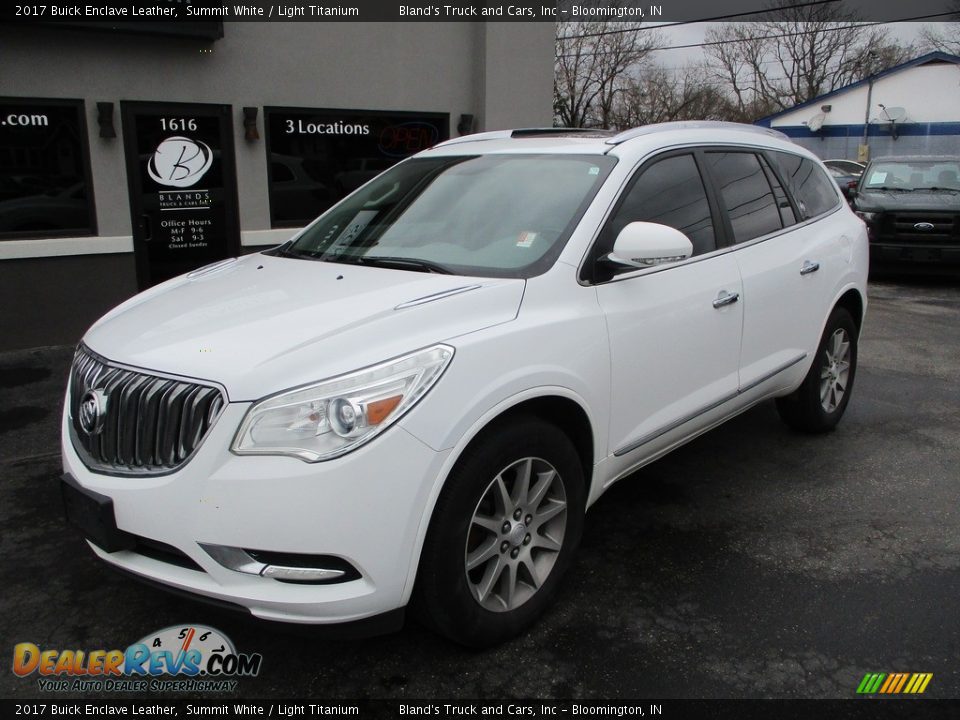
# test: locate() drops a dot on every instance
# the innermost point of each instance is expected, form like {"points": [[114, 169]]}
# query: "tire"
{"points": [[819, 403], [476, 523]]}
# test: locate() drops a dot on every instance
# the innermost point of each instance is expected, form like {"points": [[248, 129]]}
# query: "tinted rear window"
{"points": [[746, 194], [813, 191]]}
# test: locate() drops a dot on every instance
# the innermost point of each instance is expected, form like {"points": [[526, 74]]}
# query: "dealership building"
{"points": [[909, 109], [133, 152]]}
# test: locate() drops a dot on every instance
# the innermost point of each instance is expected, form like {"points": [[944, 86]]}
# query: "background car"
{"points": [[846, 182], [848, 167], [911, 206]]}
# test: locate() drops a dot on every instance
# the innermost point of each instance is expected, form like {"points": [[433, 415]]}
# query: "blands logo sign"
{"points": [[180, 162]]}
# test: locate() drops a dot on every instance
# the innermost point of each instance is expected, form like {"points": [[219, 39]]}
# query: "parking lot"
{"points": [[754, 562]]}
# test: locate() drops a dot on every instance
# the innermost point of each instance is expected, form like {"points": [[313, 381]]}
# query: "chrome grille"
{"points": [[150, 424]]}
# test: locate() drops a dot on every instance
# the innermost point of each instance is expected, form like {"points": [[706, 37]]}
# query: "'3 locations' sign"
{"points": [[316, 157]]}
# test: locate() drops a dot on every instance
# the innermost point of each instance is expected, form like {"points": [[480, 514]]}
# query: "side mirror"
{"points": [[645, 244]]}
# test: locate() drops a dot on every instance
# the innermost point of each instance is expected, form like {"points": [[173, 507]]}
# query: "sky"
{"points": [[694, 33]]}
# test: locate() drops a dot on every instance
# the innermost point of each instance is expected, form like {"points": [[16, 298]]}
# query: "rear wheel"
{"points": [[503, 532], [819, 403]]}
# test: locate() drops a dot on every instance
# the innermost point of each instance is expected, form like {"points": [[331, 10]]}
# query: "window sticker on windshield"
{"points": [[526, 238], [594, 170], [354, 228], [878, 177]]}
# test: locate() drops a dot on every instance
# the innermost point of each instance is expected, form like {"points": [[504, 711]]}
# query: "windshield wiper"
{"points": [[286, 250], [939, 189], [403, 263]]}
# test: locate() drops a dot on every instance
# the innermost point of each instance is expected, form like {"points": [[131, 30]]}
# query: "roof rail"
{"points": [[537, 132], [527, 133], [693, 125], [491, 135]]}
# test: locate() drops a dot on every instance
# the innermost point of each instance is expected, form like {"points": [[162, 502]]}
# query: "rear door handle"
{"points": [[809, 267], [725, 298]]}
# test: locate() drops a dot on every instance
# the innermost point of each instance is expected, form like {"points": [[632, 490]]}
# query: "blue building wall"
{"points": [[842, 141]]}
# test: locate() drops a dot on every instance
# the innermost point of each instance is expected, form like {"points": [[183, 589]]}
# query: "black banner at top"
{"points": [[165, 16], [489, 709]]}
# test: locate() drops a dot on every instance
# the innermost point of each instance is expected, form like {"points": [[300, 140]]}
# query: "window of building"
{"points": [[318, 157], [45, 188], [745, 193], [669, 192]]}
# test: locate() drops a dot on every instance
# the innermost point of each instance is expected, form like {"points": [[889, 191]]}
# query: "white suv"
{"points": [[415, 400]]}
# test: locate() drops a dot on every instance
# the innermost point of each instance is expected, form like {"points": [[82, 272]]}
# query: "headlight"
{"points": [[331, 418], [868, 216]]}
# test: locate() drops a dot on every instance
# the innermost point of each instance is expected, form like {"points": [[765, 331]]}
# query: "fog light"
{"points": [[284, 567], [298, 574]]}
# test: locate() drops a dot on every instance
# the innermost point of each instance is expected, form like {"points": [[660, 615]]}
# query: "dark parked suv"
{"points": [[912, 209]]}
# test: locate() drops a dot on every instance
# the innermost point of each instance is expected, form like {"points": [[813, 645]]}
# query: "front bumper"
{"points": [[366, 507], [892, 254]]}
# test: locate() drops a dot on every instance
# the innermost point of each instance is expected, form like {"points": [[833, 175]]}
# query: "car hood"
{"points": [[880, 201], [263, 324]]}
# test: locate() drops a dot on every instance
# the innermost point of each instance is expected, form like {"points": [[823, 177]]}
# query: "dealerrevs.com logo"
{"points": [[176, 659]]}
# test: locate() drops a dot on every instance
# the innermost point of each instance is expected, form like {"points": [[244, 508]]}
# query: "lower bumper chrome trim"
{"points": [[239, 560]]}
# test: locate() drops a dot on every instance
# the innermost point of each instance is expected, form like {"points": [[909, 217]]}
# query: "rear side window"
{"points": [[745, 193], [669, 192], [787, 216], [813, 191]]}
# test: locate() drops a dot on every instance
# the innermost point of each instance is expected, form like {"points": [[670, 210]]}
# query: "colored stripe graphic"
{"points": [[890, 680], [870, 683], [903, 680], [894, 683]]}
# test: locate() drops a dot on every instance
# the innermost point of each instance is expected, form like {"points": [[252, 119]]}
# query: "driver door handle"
{"points": [[725, 298]]}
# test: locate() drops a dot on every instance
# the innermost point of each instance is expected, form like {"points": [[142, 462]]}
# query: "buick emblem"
{"points": [[925, 226], [93, 411]]}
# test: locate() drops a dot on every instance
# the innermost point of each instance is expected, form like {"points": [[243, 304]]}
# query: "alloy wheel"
{"points": [[835, 371], [516, 534]]}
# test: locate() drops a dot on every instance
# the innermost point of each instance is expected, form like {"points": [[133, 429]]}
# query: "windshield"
{"points": [[487, 215], [914, 175]]}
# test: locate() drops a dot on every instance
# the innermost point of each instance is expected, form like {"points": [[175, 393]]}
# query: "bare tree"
{"points": [[658, 94], [944, 36], [591, 70], [797, 54]]}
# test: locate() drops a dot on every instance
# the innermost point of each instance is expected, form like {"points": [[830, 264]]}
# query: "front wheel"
{"points": [[504, 531], [819, 403]]}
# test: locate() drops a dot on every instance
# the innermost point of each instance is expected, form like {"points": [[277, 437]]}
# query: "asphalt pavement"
{"points": [[754, 562]]}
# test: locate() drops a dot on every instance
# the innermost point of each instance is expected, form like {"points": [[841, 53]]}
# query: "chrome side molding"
{"points": [[650, 437]]}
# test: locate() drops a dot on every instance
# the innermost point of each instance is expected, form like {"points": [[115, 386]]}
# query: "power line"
{"points": [[772, 37], [618, 31]]}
